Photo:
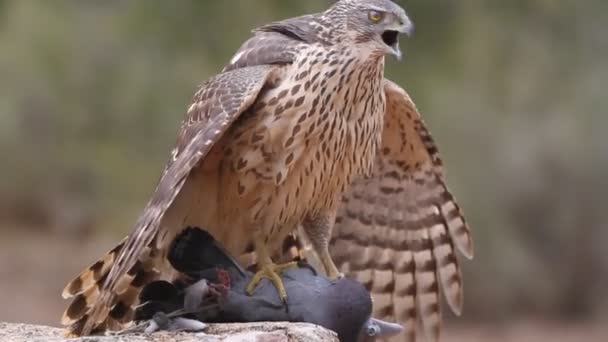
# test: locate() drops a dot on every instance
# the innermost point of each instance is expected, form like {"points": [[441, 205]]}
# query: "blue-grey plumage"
{"points": [[343, 305]]}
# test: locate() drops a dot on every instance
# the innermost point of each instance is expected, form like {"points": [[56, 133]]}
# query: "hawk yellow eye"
{"points": [[375, 16]]}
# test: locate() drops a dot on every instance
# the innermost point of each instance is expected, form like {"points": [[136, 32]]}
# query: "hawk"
{"points": [[301, 133]]}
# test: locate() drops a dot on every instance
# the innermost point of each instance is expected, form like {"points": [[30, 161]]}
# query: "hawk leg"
{"points": [[318, 230], [330, 267], [269, 270]]}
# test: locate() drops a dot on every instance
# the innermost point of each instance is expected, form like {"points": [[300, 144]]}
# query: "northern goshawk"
{"points": [[300, 134]]}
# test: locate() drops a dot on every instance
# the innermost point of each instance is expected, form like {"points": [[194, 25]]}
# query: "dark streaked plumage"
{"points": [[273, 142]]}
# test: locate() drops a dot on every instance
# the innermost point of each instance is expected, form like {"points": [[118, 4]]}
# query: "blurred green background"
{"points": [[515, 92]]}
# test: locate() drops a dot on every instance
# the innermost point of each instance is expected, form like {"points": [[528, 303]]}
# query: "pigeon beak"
{"points": [[379, 329], [387, 329]]}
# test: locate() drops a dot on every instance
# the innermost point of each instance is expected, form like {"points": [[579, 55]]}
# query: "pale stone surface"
{"points": [[250, 332]]}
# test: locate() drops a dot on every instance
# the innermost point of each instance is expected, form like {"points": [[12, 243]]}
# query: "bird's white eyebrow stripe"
{"points": [[374, 8]]}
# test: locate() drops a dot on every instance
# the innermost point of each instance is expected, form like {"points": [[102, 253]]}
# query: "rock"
{"points": [[245, 332]]}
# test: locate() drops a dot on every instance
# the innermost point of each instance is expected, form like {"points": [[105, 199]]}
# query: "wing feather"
{"points": [[397, 231], [277, 43], [217, 105]]}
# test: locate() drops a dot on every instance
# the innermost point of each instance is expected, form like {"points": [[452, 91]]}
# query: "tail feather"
{"points": [[94, 274], [78, 308], [85, 290]]}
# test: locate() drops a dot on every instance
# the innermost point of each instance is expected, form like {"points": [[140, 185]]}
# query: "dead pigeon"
{"points": [[215, 293]]}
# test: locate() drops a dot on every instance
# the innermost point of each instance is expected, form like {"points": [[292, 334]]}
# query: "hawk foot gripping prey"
{"points": [[343, 306], [301, 134], [272, 272]]}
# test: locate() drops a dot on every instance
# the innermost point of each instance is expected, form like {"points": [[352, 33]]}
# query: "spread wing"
{"points": [[397, 231], [217, 105]]}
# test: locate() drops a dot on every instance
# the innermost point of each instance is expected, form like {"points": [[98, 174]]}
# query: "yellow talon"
{"points": [[272, 272]]}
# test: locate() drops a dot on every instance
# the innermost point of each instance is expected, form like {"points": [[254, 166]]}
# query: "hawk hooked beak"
{"points": [[390, 37]]}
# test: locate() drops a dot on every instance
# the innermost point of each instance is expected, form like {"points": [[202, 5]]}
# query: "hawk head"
{"points": [[374, 24]]}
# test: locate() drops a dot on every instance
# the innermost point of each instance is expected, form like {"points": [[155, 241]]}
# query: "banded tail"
{"points": [[85, 289]]}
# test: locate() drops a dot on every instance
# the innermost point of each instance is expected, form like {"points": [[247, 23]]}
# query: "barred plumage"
{"points": [[301, 130], [396, 231]]}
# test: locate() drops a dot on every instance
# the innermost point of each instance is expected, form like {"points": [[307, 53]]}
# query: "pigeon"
{"points": [[214, 291]]}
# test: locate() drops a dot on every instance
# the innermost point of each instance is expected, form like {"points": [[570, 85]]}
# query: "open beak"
{"points": [[390, 37]]}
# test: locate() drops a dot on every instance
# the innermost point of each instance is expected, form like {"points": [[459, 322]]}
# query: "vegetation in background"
{"points": [[515, 92]]}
